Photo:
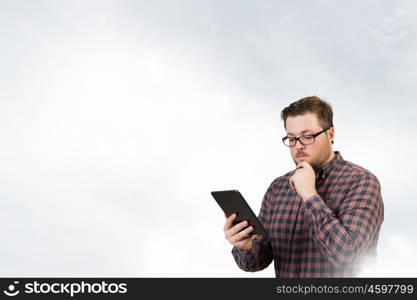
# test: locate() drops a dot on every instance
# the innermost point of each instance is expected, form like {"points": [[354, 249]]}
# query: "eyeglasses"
{"points": [[291, 141]]}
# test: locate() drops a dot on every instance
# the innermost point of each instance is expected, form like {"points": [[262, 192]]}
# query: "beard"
{"points": [[317, 165], [318, 162]]}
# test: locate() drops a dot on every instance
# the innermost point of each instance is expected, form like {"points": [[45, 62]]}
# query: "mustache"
{"points": [[301, 153]]}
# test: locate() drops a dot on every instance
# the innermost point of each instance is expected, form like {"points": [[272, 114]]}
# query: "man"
{"points": [[323, 218]]}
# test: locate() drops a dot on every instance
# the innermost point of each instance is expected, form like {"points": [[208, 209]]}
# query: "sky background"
{"points": [[118, 118]]}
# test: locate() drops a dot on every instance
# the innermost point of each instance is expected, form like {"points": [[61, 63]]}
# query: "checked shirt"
{"points": [[329, 235]]}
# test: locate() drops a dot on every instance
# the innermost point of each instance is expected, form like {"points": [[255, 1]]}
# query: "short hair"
{"points": [[311, 104]]}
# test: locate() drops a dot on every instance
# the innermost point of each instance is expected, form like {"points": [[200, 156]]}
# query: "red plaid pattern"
{"points": [[329, 235]]}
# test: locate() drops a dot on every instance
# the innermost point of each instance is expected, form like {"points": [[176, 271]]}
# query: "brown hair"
{"points": [[312, 104]]}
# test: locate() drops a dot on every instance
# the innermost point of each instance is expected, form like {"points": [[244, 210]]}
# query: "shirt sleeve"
{"points": [[344, 238], [260, 255]]}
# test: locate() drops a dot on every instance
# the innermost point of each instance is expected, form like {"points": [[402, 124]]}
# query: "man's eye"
{"points": [[307, 137], [291, 139]]}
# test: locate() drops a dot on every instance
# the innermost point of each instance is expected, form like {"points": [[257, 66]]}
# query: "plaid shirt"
{"points": [[329, 235]]}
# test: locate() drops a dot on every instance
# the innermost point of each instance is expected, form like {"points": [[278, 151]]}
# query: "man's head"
{"points": [[307, 117]]}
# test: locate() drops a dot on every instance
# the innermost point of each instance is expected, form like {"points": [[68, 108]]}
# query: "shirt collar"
{"points": [[323, 172]]}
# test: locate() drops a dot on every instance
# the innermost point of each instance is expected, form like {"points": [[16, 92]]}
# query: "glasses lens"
{"points": [[290, 141], [307, 139]]}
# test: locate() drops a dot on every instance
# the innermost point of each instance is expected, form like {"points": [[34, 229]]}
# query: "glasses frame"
{"points": [[298, 139]]}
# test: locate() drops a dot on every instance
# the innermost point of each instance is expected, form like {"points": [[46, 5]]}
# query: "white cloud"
{"points": [[395, 258]]}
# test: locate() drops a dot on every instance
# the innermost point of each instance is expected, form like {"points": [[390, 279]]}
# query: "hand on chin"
{"points": [[301, 158]]}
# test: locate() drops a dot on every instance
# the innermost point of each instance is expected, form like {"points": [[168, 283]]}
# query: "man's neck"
{"points": [[332, 155]]}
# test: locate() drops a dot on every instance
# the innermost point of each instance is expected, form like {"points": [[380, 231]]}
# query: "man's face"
{"points": [[321, 151]]}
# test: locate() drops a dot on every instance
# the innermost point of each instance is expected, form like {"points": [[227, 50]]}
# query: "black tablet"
{"points": [[232, 201]]}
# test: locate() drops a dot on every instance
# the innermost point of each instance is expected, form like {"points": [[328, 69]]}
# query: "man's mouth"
{"points": [[302, 155]]}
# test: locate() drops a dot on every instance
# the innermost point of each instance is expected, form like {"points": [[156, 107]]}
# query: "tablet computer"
{"points": [[232, 201]]}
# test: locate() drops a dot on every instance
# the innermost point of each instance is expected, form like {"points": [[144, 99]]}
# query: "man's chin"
{"points": [[308, 159], [297, 160]]}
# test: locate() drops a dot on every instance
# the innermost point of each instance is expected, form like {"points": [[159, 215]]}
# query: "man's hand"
{"points": [[236, 236], [303, 181]]}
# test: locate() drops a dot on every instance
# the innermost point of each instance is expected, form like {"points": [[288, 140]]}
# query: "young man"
{"points": [[323, 218]]}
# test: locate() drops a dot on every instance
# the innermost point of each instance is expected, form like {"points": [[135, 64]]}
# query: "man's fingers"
{"points": [[245, 241], [241, 235], [235, 229], [229, 222], [301, 165]]}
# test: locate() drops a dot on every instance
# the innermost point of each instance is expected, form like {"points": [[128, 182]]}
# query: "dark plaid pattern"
{"points": [[329, 235]]}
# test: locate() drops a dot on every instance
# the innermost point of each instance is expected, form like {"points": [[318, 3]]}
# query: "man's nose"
{"points": [[298, 145]]}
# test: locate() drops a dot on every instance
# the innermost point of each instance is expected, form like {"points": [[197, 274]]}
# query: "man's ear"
{"points": [[332, 134]]}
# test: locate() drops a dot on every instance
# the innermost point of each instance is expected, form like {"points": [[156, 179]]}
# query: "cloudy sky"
{"points": [[117, 119]]}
